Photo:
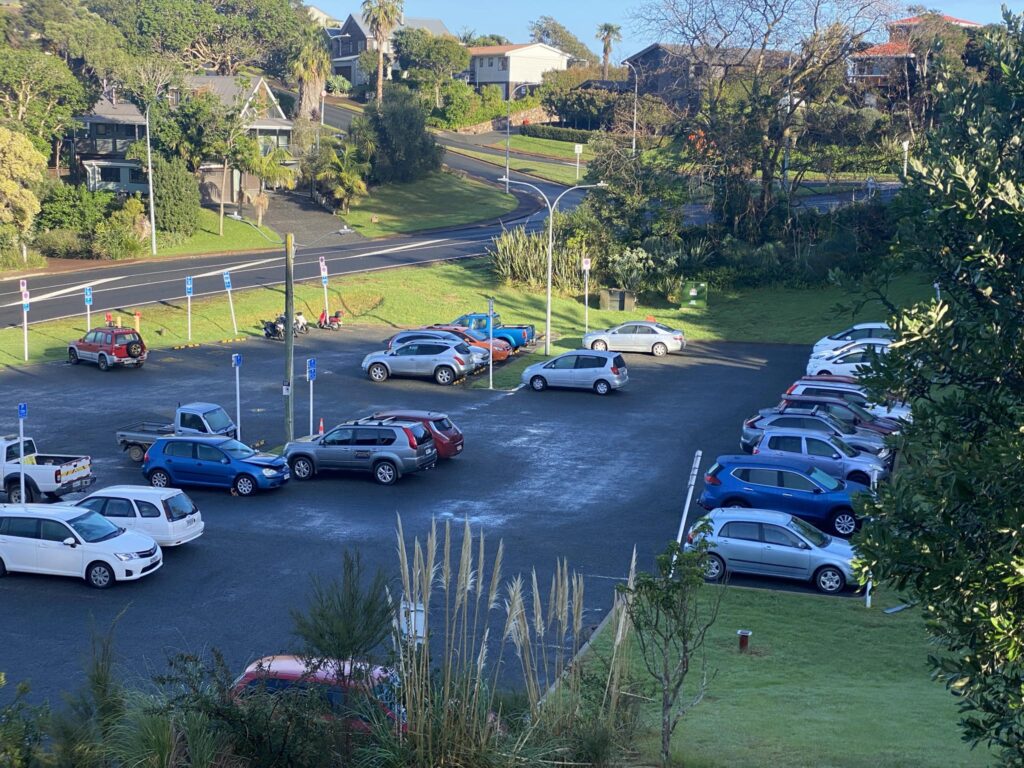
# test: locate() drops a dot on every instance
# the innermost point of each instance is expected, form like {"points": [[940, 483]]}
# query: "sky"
{"points": [[512, 19]]}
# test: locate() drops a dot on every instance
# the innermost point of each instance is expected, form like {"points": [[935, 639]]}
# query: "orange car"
{"points": [[499, 351]]}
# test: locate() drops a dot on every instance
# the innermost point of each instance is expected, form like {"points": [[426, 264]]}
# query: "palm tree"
{"points": [[382, 16], [345, 175], [271, 169], [310, 67], [608, 34]]}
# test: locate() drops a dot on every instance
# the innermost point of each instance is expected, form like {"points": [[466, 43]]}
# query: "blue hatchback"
{"points": [[218, 462], [798, 488]]}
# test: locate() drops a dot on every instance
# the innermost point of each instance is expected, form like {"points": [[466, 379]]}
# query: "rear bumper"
{"points": [[191, 534], [78, 484], [450, 449]]}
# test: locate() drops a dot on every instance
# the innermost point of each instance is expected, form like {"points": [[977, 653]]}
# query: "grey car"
{"points": [[767, 543], [656, 338], [443, 361], [583, 369], [387, 448], [480, 355], [814, 419], [828, 453]]}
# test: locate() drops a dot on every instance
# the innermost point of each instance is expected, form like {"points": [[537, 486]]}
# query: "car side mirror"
{"points": [[70, 542], [835, 455], [225, 461], [818, 490], [804, 545]]}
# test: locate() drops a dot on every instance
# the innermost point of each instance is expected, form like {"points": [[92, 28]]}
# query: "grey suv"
{"points": [[387, 448], [828, 453], [809, 418], [443, 361]]}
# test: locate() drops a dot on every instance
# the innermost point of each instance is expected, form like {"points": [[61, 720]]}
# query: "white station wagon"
{"points": [[167, 515], [61, 540]]}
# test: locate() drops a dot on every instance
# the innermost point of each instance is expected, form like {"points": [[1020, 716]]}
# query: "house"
{"points": [[114, 124], [509, 66], [321, 18], [346, 42], [877, 64]]}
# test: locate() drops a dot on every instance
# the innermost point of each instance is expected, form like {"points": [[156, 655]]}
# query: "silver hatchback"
{"points": [[766, 543], [444, 362], [581, 369], [637, 336]]}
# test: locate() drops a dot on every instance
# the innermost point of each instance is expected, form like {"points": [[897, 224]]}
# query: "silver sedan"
{"points": [[637, 336]]}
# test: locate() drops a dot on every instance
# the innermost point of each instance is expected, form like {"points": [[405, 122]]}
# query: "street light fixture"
{"points": [[508, 127], [636, 98], [552, 205]]}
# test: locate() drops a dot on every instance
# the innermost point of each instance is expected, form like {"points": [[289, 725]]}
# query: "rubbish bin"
{"points": [[744, 636], [617, 299]]}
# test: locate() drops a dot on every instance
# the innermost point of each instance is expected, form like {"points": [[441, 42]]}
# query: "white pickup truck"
{"points": [[46, 475]]}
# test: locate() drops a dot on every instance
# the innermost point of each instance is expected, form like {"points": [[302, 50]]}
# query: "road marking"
{"points": [[240, 268], [65, 291]]}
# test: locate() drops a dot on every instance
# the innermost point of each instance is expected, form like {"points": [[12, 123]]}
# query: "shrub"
{"points": [[338, 84], [177, 197], [122, 234], [556, 133], [631, 269], [405, 151], [63, 244], [73, 207]]}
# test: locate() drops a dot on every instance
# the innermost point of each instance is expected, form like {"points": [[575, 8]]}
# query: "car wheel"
{"points": [[302, 468], [14, 493], [844, 523], [538, 384], [244, 485], [135, 349], [659, 350], [444, 375], [824, 373], [829, 580], [600, 346], [73, 357], [99, 576], [736, 503], [3, 569], [136, 452], [714, 568], [602, 387], [102, 363], [378, 372], [159, 479], [385, 472], [859, 477]]}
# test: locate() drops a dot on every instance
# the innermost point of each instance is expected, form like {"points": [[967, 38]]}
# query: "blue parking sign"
{"points": [[311, 369], [22, 410], [88, 296], [236, 360], [24, 306], [227, 281], [188, 285], [323, 279]]}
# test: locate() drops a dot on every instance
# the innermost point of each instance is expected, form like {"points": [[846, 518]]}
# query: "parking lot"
{"points": [[554, 474]]}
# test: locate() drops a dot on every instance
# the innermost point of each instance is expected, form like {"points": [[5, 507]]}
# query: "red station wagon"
{"points": [[448, 438], [108, 347]]}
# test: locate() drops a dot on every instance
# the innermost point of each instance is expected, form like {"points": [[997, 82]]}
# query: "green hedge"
{"points": [[556, 133]]}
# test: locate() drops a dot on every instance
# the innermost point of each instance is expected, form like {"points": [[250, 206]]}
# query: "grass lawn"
{"points": [[238, 236], [414, 296], [559, 150], [828, 682], [556, 172], [439, 200]]}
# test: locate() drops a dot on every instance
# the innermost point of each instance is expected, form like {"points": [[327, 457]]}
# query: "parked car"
{"points": [[858, 332], [46, 474], [189, 419], [849, 389], [217, 462], [851, 360], [442, 361], [638, 336], [340, 684], [448, 438], [109, 347], [582, 369], [61, 540], [814, 419], [827, 452], [499, 349], [166, 515], [479, 354], [516, 335], [387, 448], [850, 414], [766, 483], [767, 543]]}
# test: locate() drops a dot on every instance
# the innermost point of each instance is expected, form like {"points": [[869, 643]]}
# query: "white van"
{"points": [[167, 515], [62, 540]]}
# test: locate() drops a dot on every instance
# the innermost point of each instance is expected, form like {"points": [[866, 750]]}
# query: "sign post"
{"points": [[578, 150], [236, 363], [490, 334], [24, 317], [311, 377], [188, 298], [323, 279], [22, 415], [88, 308], [586, 295], [231, 303]]}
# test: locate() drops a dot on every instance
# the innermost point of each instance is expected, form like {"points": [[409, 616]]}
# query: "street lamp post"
{"points": [[636, 98], [552, 205], [508, 128]]}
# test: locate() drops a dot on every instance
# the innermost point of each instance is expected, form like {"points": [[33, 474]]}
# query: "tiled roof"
{"points": [[496, 50], [892, 49], [913, 20]]}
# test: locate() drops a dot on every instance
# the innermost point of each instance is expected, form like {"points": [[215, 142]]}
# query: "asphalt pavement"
{"points": [[556, 474]]}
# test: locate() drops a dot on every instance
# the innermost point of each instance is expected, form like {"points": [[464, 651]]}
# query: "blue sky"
{"points": [[512, 19]]}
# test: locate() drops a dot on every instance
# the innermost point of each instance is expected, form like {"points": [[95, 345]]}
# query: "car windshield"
{"points": [[827, 482], [93, 527], [809, 532], [838, 426], [841, 334], [478, 335], [844, 447], [442, 425], [237, 450], [217, 419], [859, 412], [178, 507]]}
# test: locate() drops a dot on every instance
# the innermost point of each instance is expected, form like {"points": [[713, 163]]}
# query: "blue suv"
{"points": [[795, 487], [218, 462]]}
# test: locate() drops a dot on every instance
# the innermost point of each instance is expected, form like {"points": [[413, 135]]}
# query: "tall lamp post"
{"points": [[508, 128], [552, 205], [636, 98]]}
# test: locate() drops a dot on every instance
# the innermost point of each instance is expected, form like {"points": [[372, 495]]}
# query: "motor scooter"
{"points": [[329, 323]]}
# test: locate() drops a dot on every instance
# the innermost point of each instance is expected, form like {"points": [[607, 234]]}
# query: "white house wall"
{"points": [[529, 65]]}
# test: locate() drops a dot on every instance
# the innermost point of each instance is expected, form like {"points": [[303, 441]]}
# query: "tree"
{"points": [[310, 67], [273, 169], [470, 38], [176, 194], [607, 34], [947, 528], [21, 170], [382, 16], [404, 149], [430, 60], [547, 30], [345, 175], [231, 142], [672, 611]]}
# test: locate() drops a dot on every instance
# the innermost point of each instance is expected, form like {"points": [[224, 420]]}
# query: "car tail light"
{"points": [[615, 370], [459, 360], [678, 338], [756, 449], [411, 436], [56, 476], [145, 457], [711, 480], [689, 537]]}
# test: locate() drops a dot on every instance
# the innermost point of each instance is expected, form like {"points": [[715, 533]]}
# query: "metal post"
{"points": [[237, 360], [586, 301], [289, 335], [577, 166], [149, 180], [231, 301], [508, 135], [189, 297], [490, 335], [867, 594], [551, 248], [22, 415], [906, 156], [310, 376], [24, 326], [689, 495]]}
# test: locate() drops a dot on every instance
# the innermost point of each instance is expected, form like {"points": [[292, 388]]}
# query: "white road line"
{"points": [[242, 268], [65, 291]]}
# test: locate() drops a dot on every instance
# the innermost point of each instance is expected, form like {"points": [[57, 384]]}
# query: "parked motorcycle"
{"points": [[274, 329], [329, 323], [299, 325]]}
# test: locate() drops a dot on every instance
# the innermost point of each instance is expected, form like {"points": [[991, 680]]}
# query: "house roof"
{"points": [[891, 50], [435, 27], [911, 21], [114, 110], [505, 50]]}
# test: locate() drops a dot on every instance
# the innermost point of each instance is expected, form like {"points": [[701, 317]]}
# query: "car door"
{"points": [[623, 339], [782, 447], [824, 456], [560, 371], [784, 554], [150, 520], [335, 449], [761, 487], [797, 493], [587, 370], [53, 555], [18, 537], [403, 361], [119, 511], [430, 355], [739, 543], [212, 466], [364, 449], [849, 364], [87, 346], [191, 424], [178, 461], [645, 338]]}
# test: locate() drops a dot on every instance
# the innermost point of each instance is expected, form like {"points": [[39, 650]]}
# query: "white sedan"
{"points": [[858, 332], [850, 360]]}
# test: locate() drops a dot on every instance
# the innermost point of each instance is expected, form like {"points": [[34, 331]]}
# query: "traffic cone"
{"points": [[321, 425]]}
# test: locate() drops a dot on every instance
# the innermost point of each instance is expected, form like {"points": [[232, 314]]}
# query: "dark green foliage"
{"points": [[405, 150], [21, 732], [63, 244], [540, 131], [73, 207], [120, 236], [177, 197], [548, 30]]}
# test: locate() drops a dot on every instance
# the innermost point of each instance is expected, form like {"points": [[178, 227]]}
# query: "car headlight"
{"points": [[884, 453], [270, 471], [124, 557]]}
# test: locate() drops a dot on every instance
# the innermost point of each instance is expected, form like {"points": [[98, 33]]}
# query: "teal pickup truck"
{"points": [[516, 335]]}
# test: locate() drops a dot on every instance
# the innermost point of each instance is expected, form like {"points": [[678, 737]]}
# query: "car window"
{"points": [[180, 449], [819, 448], [193, 421], [740, 530], [618, 361], [786, 443], [95, 504], [442, 425], [107, 339], [625, 329], [51, 530], [217, 419], [664, 328], [208, 453], [14, 450], [126, 338], [844, 447], [787, 421], [236, 450], [643, 329], [147, 510], [769, 477], [421, 433], [22, 527], [808, 531], [739, 474], [775, 535], [385, 437], [590, 361], [408, 349], [341, 436], [366, 436], [179, 506], [793, 482], [93, 527], [826, 481], [118, 508], [856, 357], [562, 363], [461, 348]]}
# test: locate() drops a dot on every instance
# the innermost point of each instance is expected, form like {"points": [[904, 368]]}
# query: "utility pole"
{"points": [[289, 335]]}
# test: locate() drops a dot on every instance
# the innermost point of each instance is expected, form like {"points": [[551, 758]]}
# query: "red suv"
{"points": [[448, 438], [108, 347]]}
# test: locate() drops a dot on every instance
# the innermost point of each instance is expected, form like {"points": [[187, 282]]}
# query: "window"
{"points": [[768, 477], [775, 535], [92, 337], [819, 448], [443, 424], [786, 443], [126, 338], [503, 63], [136, 176], [738, 530], [96, 505], [100, 129], [856, 357], [147, 510], [338, 437], [193, 421], [490, 61], [626, 329], [118, 508], [562, 363], [619, 362], [106, 339], [178, 449], [217, 419], [434, 349], [421, 433], [208, 453], [367, 436], [645, 329], [22, 527], [178, 507], [408, 349], [794, 482], [14, 450], [386, 437], [110, 175], [590, 361], [825, 481], [741, 474], [51, 530]]}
